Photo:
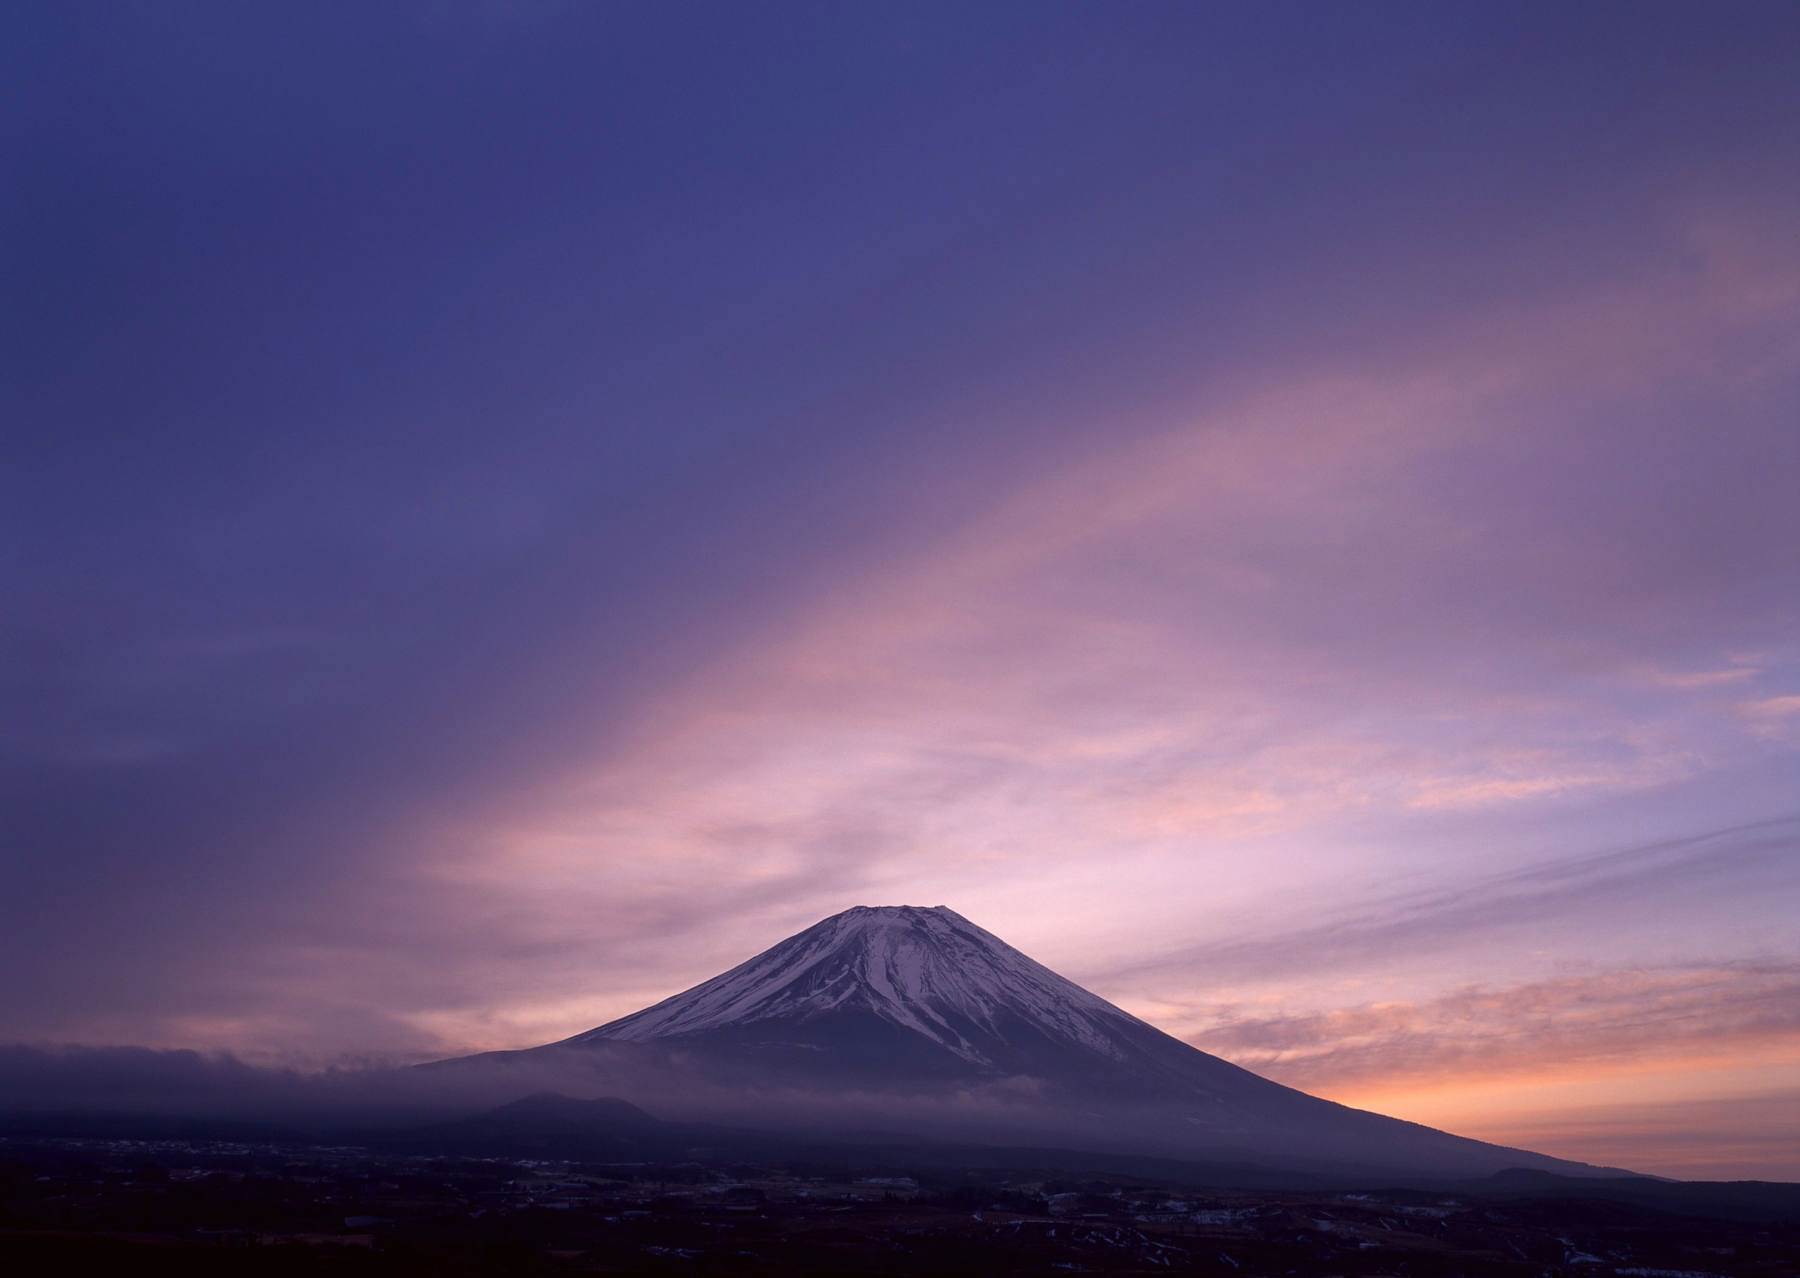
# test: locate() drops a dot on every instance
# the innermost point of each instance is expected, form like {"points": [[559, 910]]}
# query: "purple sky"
{"points": [[1289, 514]]}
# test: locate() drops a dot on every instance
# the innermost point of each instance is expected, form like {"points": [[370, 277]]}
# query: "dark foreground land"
{"points": [[200, 1207]]}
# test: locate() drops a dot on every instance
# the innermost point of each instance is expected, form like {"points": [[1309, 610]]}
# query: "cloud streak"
{"points": [[1588, 888], [1134, 476], [1620, 1018]]}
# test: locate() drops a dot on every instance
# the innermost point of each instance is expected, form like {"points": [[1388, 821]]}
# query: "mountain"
{"points": [[894, 995], [915, 1019]]}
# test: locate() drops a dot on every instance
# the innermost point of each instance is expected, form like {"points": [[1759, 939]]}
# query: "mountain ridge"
{"points": [[923, 968], [916, 1016]]}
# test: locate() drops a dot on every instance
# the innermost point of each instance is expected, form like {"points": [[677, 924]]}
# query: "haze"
{"points": [[1285, 513]]}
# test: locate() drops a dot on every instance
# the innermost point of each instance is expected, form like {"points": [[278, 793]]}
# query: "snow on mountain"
{"points": [[924, 969], [912, 1011]]}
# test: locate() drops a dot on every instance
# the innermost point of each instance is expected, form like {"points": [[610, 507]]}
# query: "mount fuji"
{"points": [[916, 1018], [895, 994]]}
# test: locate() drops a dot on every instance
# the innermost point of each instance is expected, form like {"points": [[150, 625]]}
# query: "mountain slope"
{"points": [[931, 1023], [884, 995], [930, 971]]}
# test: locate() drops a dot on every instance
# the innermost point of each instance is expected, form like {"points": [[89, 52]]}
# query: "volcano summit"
{"points": [[910, 1018], [893, 994]]}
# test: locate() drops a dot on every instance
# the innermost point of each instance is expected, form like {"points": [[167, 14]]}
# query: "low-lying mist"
{"points": [[122, 1080], [693, 1100]]}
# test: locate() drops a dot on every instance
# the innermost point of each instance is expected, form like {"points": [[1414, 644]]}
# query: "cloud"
{"points": [[1697, 680], [1771, 718], [1320, 607], [1678, 1069], [1572, 1024], [1773, 707], [1225, 591], [1412, 926], [1703, 1138]]}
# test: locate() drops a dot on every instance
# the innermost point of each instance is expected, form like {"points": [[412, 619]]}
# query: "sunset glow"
{"points": [[513, 516]]}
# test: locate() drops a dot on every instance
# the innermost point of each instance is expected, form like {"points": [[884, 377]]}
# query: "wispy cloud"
{"points": [[1772, 718], [1572, 1024], [1418, 924], [1009, 490], [1749, 1137], [1697, 680]]}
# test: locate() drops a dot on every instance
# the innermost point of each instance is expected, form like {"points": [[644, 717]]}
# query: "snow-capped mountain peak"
{"points": [[901, 1007], [923, 969]]}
